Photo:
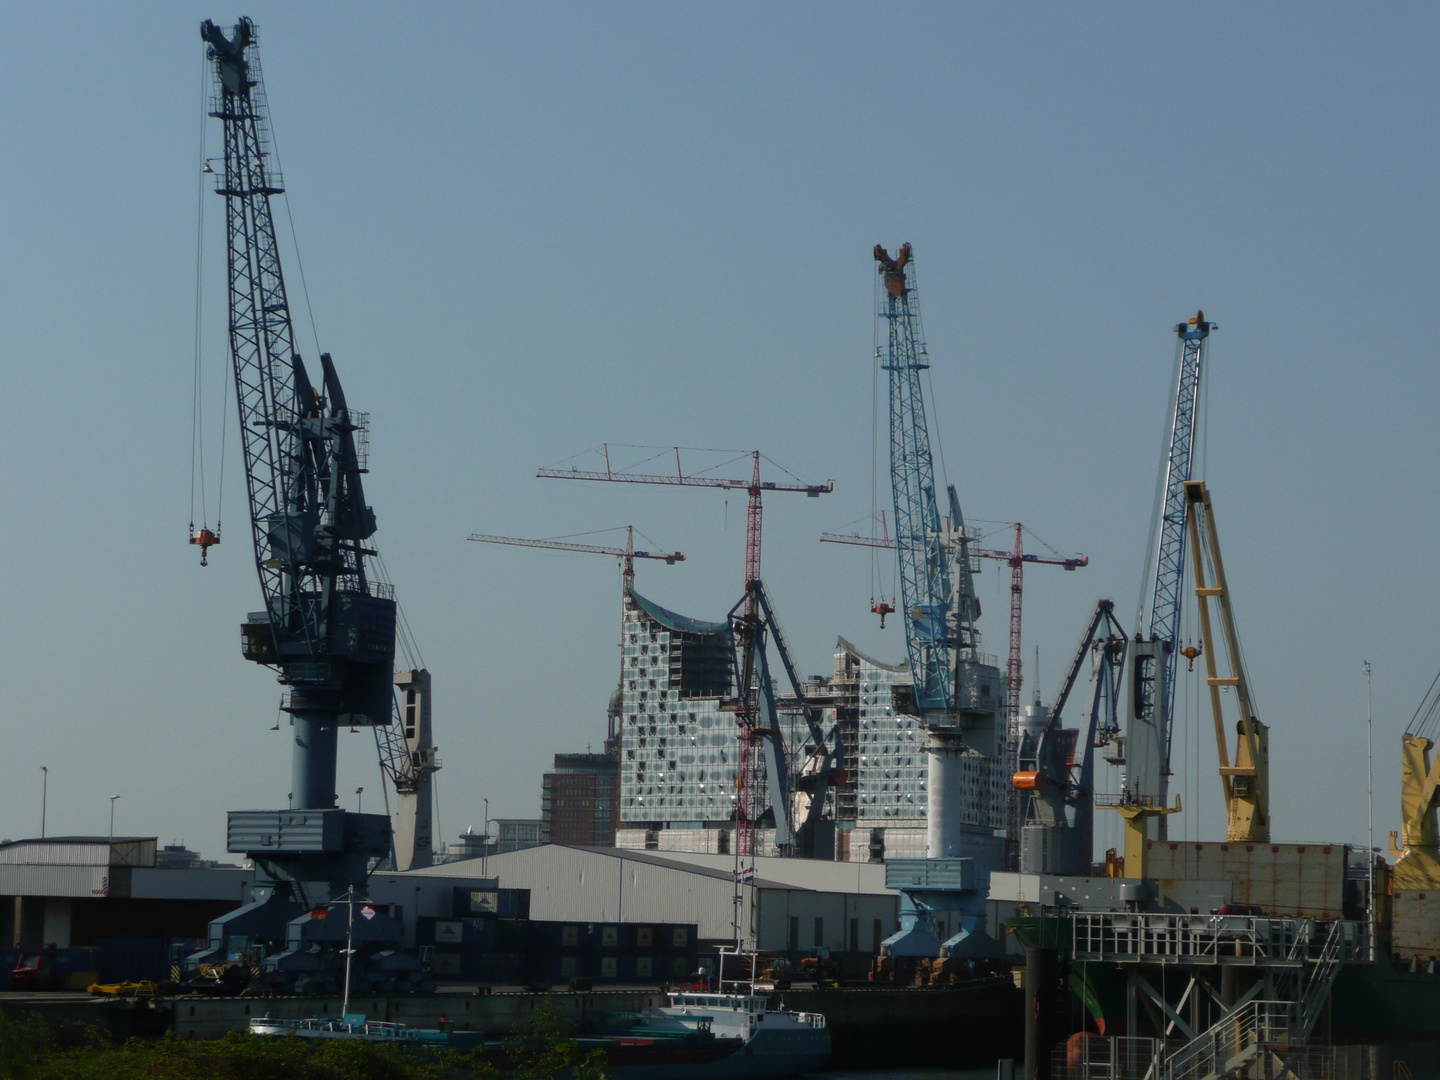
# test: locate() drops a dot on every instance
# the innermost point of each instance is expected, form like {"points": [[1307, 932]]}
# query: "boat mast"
{"points": [[349, 947]]}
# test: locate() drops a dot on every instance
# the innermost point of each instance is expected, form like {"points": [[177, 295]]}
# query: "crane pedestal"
{"points": [[310, 857]]}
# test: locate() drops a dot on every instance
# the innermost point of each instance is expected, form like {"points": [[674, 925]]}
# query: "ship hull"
{"points": [[972, 1024]]}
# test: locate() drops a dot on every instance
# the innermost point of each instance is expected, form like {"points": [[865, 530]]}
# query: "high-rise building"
{"points": [[580, 800], [678, 747]]}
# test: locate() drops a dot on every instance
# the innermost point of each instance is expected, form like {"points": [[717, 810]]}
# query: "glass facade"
{"points": [[678, 748]]}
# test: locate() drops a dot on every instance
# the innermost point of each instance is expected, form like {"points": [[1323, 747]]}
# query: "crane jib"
{"points": [[326, 624]]}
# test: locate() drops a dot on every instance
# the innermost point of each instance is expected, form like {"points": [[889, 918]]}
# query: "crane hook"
{"points": [[882, 609], [1190, 652], [206, 539]]}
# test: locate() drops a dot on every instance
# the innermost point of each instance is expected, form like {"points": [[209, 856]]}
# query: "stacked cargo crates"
{"points": [[514, 950]]}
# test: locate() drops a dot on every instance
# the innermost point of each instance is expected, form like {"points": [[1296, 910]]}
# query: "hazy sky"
{"points": [[528, 229]]}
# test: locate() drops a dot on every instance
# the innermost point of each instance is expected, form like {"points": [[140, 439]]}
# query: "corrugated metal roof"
{"points": [[71, 881], [597, 885], [80, 851]]}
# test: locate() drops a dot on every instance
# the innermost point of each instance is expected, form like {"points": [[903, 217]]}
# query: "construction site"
{"points": [[908, 851]]}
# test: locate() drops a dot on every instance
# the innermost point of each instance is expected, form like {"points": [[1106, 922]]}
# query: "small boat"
{"points": [[768, 1042], [355, 1026]]}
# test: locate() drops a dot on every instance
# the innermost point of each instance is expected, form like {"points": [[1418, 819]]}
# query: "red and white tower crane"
{"points": [[750, 630], [1016, 558]]}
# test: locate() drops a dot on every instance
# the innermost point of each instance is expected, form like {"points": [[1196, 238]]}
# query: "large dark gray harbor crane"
{"points": [[327, 626]]}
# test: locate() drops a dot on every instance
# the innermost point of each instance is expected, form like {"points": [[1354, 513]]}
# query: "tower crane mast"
{"points": [[328, 624], [951, 683], [1153, 660], [931, 639]]}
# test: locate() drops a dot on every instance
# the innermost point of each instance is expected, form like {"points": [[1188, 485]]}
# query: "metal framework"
{"points": [[1016, 558], [1246, 784], [327, 627], [749, 627], [924, 569], [1166, 597]]}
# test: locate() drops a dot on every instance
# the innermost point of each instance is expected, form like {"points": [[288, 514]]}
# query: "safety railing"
{"points": [[1248, 940]]}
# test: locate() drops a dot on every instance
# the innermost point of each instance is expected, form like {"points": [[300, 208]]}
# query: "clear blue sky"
{"points": [[531, 228]]}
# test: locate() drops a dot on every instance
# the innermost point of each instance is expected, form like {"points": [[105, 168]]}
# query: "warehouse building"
{"points": [[791, 906]]}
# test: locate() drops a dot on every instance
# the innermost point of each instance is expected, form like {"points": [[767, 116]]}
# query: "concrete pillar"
{"points": [[312, 763], [1044, 1018], [944, 793]]}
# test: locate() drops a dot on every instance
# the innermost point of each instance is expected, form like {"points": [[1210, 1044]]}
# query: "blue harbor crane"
{"points": [[955, 692], [327, 625], [919, 541], [1145, 751]]}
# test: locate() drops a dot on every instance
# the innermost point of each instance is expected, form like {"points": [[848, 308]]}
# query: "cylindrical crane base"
{"points": [[312, 764]]}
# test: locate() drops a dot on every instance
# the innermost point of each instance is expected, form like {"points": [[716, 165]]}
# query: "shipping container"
{"points": [[1299, 880], [557, 936], [1415, 924], [555, 968], [493, 903]]}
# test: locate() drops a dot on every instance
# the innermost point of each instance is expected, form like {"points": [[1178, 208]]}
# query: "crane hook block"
{"points": [[206, 539], [882, 609]]}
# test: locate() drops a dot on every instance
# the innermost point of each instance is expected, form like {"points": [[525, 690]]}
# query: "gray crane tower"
{"points": [[327, 626]]}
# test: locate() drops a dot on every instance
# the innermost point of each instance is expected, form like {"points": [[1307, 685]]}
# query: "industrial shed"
{"points": [[798, 904], [76, 890]]}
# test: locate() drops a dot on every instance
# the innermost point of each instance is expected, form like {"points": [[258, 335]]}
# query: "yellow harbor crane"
{"points": [[1247, 782]]}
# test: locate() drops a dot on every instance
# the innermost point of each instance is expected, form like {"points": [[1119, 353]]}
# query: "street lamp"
{"points": [[359, 800], [1370, 810], [112, 815], [44, 794]]}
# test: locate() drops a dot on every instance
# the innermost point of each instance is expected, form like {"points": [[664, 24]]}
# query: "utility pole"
{"points": [[44, 794], [1370, 812]]}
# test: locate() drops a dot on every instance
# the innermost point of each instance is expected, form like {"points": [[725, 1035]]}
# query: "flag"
{"points": [[746, 876]]}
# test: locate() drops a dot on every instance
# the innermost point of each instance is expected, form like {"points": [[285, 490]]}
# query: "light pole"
{"points": [[112, 815], [359, 800], [485, 851], [1370, 809], [44, 795]]}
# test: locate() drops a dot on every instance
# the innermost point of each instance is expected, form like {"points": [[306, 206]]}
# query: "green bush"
{"points": [[29, 1050]]}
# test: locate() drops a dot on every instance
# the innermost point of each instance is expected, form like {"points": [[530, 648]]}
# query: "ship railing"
{"points": [[1247, 940], [809, 1019]]}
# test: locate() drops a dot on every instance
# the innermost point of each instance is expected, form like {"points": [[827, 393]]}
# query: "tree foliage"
{"points": [[540, 1049]]}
